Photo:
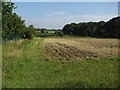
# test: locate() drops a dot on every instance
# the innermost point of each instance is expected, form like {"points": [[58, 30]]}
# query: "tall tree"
{"points": [[113, 27], [92, 28], [12, 24], [110, 29], [100, 32]]}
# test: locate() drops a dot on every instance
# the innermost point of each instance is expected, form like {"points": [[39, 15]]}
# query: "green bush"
{"points": [[71, 33], [31, 36], [61, 34], [30, 32], [42, 30], [56, 32]]}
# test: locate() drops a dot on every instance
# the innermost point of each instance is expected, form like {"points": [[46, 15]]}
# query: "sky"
{"points": [[54, 15], [64, 0]]}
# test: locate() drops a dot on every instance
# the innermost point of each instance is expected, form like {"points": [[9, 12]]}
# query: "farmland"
{"points": [[49, 33], [58, 45], [60, 63], [81, 48]]}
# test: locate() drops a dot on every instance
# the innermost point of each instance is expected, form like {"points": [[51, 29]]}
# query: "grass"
{"points": [[71, 36], [39, 34], [52, 32], [26, 65]]}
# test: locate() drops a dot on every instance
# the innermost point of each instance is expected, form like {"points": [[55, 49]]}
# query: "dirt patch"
{"points": [[67, 49]]}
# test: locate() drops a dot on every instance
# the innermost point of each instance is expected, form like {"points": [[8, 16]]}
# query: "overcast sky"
{"points": [[57, 14]]}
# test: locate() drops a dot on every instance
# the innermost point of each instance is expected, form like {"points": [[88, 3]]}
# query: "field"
{"points": [[68, 49], [39, 34], [52, 32], [60, 63]]}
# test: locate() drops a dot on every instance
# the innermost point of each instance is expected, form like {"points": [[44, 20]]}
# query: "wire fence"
{"points": [[11, 38]]}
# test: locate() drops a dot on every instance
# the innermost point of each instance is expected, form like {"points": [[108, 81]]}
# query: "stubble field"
{"points": [[73, 49]]}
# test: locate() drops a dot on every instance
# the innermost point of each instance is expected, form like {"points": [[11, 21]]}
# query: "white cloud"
{"points": [[56, 14], [87, 18], [59, 22]]}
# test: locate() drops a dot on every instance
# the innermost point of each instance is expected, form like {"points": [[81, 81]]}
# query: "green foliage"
{"points": [[81, 29], [43, 31], [12, 24], [100, 32], [113, 27], [110, 29], [71, 33], [56, 32], [30, 32], [61, 33]]}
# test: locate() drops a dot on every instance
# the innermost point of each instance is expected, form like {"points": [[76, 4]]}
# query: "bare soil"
{"points": [[73, 49]]}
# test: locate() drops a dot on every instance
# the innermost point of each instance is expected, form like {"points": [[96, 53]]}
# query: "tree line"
{"points": [[109, 29], [12, 24]]}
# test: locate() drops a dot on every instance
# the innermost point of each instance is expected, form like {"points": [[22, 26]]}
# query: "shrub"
{"points": [[42, 30], [56, 32], [30, 32], [31, 36], [71, 33], [61, 33]]}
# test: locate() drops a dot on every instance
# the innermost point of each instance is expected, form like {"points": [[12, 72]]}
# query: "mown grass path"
{"points": [[26, 65]]}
